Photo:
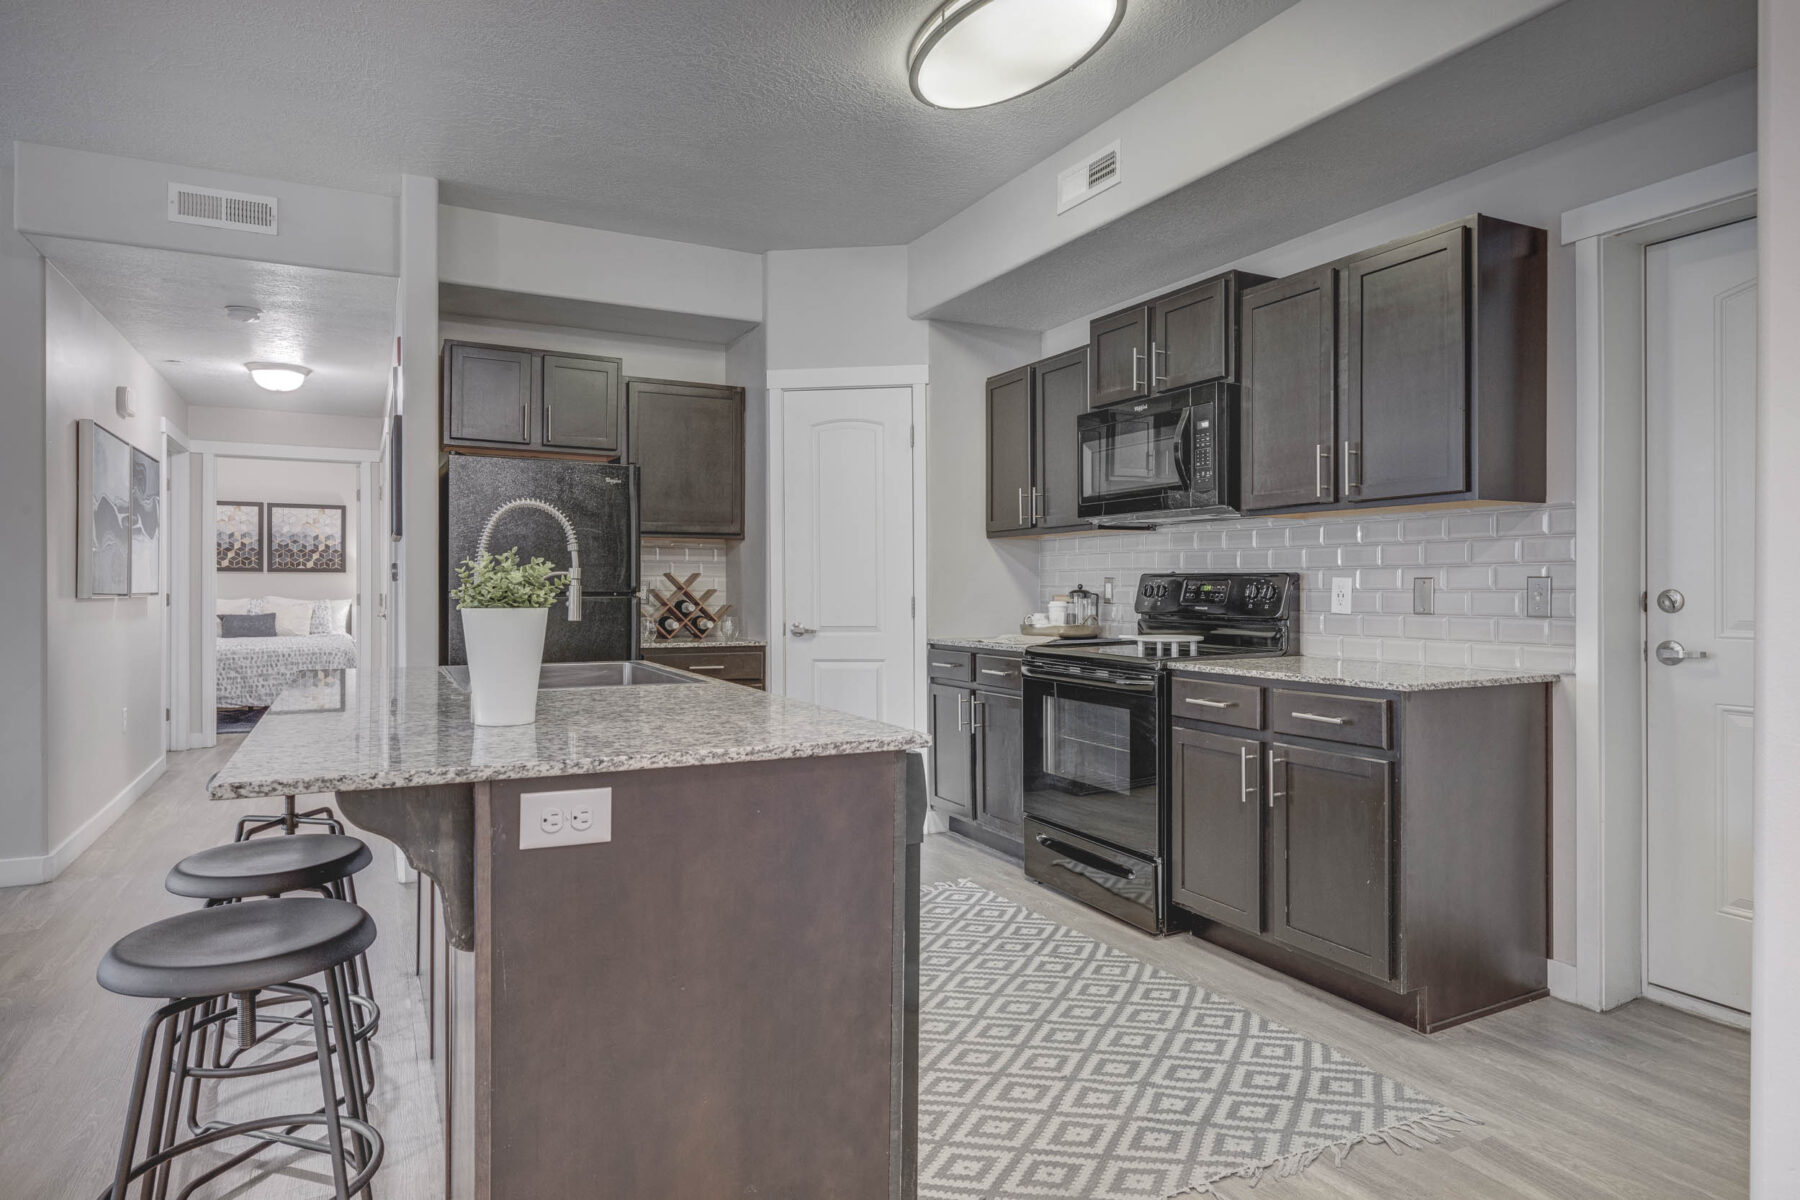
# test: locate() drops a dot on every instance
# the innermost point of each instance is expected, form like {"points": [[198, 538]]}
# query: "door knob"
{"points": [[799, 630], [1671, 652], [1670, 600]]}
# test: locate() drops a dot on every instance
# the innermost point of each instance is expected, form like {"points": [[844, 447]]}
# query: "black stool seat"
{"points": [[236, 947], [268, 866]]}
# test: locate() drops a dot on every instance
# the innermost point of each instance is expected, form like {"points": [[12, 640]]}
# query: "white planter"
{"points": [[506, 648]]}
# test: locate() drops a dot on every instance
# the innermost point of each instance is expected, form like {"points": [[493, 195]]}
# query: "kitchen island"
{"points": [[715, 1000]]}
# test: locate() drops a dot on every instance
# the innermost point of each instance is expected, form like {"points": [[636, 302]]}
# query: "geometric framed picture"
{"points": [[238, 533], [146, 524], [103, 493], [307, 537]]}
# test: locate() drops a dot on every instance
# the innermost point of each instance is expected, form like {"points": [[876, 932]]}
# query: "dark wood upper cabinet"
{"points": [[1195, 332], [1009, 452], [1000, 730], [1060, 387], [952, 750], [490, 394], [1289, 392], [1216, 833], [687, 440], [1331, 878], [582, 405], [1118, 357]]}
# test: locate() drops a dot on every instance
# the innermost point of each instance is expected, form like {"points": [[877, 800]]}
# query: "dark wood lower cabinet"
{"points": [[1216, 831], [978, 744], [1000, 732], [1331, 856], [952, 751], [1409, 875]]}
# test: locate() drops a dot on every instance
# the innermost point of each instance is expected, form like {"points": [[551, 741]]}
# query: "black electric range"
{"points": [[1096, 790]]}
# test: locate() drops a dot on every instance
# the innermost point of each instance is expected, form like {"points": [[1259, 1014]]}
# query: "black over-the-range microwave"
{"points": [[1156, 462]]}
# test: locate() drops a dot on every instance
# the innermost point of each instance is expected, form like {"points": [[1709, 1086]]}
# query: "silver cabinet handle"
{"points": [[1152, 363], [1321, 470], [1037, 504], [991, 671], [1274, 792], [1021, 506], [1352, 449], [976, 702], [707, 667], [1243, 774], [1323, 720], [944, 666], [799, 630], [1672, 652], [962, 721], [1136, 383], [1210, 703]]}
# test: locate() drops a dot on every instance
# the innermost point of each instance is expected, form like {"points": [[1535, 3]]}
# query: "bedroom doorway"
{"points": [[289, 582]]}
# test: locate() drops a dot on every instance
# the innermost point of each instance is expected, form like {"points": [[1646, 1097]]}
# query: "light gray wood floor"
{"points": [[1642, 1103]]}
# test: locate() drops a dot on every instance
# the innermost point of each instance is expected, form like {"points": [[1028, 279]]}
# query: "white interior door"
{"points": [[1700, 566], [847, 550]]}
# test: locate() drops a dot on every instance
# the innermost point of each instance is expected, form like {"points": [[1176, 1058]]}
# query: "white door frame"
{"points": [[1608, 237], [780, 384], [367, 525], [178, 580]]}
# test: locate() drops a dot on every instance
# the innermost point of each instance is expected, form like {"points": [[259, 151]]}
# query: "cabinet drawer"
{"points": [[1352, 719], [956, 666], [997, 672], [1221, 703], [717, 664]]}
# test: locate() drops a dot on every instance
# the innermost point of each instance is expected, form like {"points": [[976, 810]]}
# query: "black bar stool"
{"points": [[237, 953], [288, 821], [324, 863]]}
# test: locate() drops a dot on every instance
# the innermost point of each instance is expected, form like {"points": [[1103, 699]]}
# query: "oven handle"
{"points": [[1182, 428], [1103, 681], [1085, 858]]}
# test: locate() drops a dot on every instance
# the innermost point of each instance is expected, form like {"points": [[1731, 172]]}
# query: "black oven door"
{"points": [[1094, 819], [1134, 457]]}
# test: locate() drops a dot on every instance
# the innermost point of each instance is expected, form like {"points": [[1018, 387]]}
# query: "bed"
{"points": [[311, 636]]}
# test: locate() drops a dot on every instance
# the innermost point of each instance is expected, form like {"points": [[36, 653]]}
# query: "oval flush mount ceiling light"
{"points": [[277, 377], [243, 314], [972, 53]]}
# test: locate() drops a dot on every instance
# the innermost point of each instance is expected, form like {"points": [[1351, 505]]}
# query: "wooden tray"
{"points": [[1061, 631]]}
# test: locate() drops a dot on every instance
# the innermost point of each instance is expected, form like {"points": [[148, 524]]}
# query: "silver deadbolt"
{"points": [[1670, 600], [1672, 652]]}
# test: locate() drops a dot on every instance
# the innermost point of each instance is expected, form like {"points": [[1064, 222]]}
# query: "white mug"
{"points": [[1059, 612]]}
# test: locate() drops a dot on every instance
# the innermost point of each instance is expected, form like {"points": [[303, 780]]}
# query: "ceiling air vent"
{"points": [[1087, 178], [222, 210]]}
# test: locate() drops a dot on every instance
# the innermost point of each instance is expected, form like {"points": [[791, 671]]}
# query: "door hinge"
{"points": [[912, 435], [165, 714], [168, 599], [1644, 601], [915, 606]]}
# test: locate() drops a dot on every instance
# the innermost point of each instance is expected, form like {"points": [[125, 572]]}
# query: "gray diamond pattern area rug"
{"points": [[1052, 1065]]}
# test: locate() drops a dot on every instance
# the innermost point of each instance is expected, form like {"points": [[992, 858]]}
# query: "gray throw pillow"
{"points": [[247, 625]]}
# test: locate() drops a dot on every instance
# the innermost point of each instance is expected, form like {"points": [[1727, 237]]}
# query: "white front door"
{"points": [[1700, 572], [847, 550]]}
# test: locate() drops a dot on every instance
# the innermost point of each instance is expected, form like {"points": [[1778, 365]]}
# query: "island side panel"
{"points": [[703, 1005]]}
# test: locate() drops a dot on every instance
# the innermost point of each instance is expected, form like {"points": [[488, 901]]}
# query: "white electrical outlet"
{"points": [[565, 818], [1340, 593], [124, 720]]}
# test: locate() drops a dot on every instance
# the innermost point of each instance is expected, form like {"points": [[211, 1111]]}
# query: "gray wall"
{"points": [[840, 308]]}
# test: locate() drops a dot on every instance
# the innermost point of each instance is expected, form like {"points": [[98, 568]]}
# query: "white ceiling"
{"points": [[757, 126], [170, 305]]}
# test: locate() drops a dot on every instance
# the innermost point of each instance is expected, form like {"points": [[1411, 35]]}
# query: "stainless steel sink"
{"points": [[589, 674]]}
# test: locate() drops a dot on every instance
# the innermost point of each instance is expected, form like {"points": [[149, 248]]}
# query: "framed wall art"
{"points": [[103, 489], [238, 531], [146, 524], [307, 537]]}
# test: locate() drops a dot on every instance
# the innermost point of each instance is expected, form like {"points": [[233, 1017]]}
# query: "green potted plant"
{"points": [[504, 606]]}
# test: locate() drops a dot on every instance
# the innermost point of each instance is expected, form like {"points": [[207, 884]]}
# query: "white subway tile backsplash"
{"points": [[1469, 525], [1444, 552]]}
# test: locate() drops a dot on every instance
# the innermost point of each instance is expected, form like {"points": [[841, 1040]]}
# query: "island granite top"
{"points": [[1010, 643], [412, 730], [1350, 672]]}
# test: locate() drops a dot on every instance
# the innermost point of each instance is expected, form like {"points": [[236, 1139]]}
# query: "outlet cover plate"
{"points": [[1537, 595], [575, 817], [1340, 593], [1424, 590]]}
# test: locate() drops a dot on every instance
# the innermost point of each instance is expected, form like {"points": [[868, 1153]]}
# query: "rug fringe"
{"points": [[1416, 1134]]}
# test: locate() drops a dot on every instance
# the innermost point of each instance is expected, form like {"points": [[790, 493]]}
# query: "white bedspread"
{"points": [[253, 670]]}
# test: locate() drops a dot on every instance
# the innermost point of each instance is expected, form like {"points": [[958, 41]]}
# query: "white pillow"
{"points": [[329, 616], [293, 618]]}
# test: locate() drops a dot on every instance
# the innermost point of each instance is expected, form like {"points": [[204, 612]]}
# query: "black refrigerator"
{"points": [[600, 500]]}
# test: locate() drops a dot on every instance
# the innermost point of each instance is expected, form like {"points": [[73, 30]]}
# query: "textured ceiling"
{"points": [[772, 125], [170, 305], [1581, 63]]}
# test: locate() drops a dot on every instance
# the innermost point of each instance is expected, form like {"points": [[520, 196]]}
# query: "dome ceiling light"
{"points": [[972, 53], [277, 377], [243, 314]]}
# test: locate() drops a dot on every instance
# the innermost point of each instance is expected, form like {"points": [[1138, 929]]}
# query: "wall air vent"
{"points": [[1087, 178], [192, 205]]}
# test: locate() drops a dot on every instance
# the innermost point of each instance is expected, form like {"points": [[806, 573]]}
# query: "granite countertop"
{"points": [[1392, 677], [1013, 643], [711, 643], [414, 730]]}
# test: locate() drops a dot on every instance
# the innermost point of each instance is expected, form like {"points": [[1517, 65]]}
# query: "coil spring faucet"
{"points": [[574, 571]]}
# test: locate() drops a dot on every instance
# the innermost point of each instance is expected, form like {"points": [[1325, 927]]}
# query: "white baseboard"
{"points": [[18, 872], [1698, 1007]]}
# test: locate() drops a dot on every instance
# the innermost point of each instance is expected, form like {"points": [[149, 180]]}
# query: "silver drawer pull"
{"points": [[707, 667], [991, 671], [1300, 716], [945, 666], [1210, 703]]}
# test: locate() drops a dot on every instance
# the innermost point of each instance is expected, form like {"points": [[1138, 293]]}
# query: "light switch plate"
{"points": [[565, 818], [1537, 595], [1340, 593], [1424, 594]]}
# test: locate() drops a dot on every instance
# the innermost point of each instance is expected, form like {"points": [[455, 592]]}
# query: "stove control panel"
{"points": [[1214, 595]]}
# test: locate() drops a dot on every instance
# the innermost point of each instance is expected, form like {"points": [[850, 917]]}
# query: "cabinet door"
{"points": [[1289, 390], [1217, 833], [1405, 401], [687, 440], [1189, 336], [582, 405], [1000, 733], [1118, 354], [1331, 856], [488, 395], [952, 750], [1009, 452], [1062, 395]]}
